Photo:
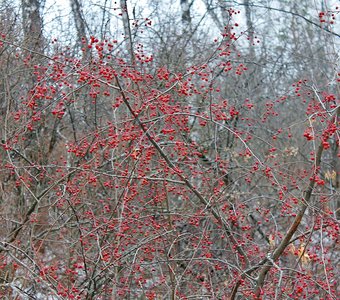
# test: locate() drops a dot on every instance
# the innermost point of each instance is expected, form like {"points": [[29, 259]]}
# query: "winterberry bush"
{"points": [[122, 178]]}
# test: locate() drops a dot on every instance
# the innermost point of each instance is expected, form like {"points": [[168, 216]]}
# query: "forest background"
{"points": [[182, 149]]}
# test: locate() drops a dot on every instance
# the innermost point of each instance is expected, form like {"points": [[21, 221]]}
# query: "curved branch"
{"points": [[202, 199], [293, 227]]}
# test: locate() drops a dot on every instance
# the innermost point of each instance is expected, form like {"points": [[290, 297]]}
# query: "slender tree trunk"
{"points": [[250, 29], [81, 25], [224, 5], [32, 25], [127, 29], [185, 7]]}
